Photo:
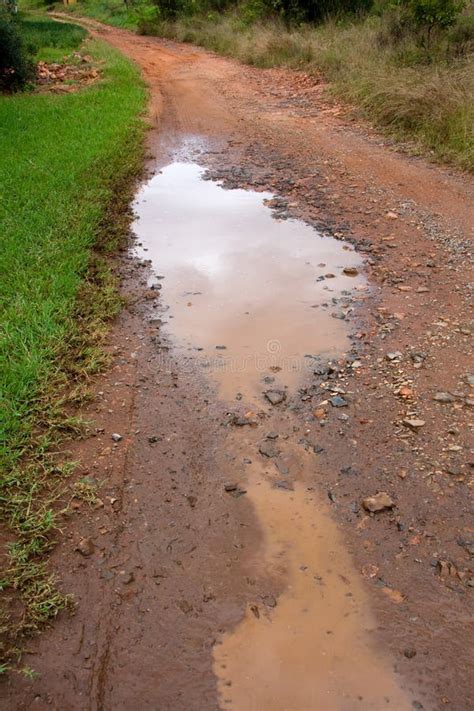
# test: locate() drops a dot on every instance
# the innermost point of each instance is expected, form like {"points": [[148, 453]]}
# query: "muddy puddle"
{"points": [[251, 300], [247, 292], [312, 651]]}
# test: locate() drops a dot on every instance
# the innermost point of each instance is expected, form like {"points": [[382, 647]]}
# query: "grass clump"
{"points": [[66, 168]]}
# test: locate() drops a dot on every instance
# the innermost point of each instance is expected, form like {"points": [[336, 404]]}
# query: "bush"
{"points": [[16, 65], [431, 16]]}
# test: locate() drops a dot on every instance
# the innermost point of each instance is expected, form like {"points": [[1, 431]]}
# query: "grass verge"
{"points": [[424, 97], [67, 170]]}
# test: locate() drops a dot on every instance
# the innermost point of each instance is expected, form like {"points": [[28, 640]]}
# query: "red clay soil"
{"points": [[170, 559]]}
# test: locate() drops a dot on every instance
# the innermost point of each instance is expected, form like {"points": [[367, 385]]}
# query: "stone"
{"points": [[444, 397], [350, 271], [268, 449], [275, 396], [338, 401], [394, 355], [414, 424], [85, 547], [379, 502], [116, 437], [391, 215]]}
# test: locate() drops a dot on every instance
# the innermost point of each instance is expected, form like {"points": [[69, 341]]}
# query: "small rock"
{"points": [[116, 437], [240, 421], [379, 502], [268, 449], [126, 577], [350, 271], [234, 490], [391, 215], [283, 484], [338, 401], [409, 652], [394, 355], [85, 547], [350, 470], [444, 397], [282, 468], [275, 396], [414, 424]]}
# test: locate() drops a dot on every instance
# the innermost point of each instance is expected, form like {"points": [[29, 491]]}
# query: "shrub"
{"points": [[16, 65], [430, 16]]}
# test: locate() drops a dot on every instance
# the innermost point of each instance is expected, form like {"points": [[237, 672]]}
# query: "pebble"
{"points": [[414, 424], [275, 396], [338, 401], [268, 449], [85, 547], [379, 502], [444, 397], [116, 437]]}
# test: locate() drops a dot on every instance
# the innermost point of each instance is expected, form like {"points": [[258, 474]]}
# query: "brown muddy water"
{"points": [[252, 300]]}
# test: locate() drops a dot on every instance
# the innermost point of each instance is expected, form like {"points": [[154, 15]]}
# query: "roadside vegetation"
{"points": [[67, 167], [408, 64]]}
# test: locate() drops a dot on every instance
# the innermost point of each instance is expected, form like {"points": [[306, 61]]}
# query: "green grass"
{"points": [[48, 38], [66, 169], [113, 12], [424, 97]]}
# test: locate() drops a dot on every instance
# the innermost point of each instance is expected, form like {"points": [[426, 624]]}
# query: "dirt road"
{"points": [[294, 344]]}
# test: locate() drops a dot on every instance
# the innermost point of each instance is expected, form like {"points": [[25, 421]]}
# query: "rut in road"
{"points": [[220, 578]]}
